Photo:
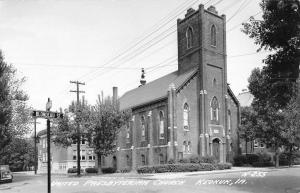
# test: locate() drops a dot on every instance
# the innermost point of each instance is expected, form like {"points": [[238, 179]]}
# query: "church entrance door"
{"points": [[114, 163], [216, 149]]}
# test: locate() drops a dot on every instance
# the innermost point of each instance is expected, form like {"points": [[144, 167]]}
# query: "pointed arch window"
{"points": [[143, 128], [161, 125], [229, 122], [214, 109], [186, 116], [189, 37], [213, 35], [127, 134]]}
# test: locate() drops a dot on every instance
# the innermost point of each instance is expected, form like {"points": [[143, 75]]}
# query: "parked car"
{"points": [[5, 174]]}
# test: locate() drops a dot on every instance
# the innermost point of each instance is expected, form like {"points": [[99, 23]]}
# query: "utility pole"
{"points": [[48, 107], [78, 127]]}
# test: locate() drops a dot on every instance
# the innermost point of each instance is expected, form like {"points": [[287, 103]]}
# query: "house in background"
{"points": [[191, 111], [63, 158], [245, 99]]}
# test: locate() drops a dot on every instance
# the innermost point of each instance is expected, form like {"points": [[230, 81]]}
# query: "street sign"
{"points": [[46, 114]]}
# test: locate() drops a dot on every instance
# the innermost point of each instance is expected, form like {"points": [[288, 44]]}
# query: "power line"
{"points": [[244, 4], [229, 6], [74, 66], [148, 35], [243, 22], [141, 51], [217, 2]]}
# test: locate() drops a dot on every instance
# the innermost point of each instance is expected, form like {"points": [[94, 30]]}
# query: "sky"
{"points": [[105, 43]]}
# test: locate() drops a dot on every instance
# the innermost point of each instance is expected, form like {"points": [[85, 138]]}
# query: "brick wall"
{"points": [[189, 96]]}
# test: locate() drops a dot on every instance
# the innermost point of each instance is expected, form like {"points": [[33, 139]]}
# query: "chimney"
{"points": [[115, 95], [143, 81]]}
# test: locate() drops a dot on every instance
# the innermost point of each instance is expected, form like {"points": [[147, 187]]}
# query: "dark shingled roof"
{"points": [[155, 90]]}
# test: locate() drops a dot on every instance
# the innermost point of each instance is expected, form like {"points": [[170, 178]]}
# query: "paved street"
{"points": [[282, 180]]}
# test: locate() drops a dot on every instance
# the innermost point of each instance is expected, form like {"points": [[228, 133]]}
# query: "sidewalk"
{"points": [[173, 175], [169, 175]]}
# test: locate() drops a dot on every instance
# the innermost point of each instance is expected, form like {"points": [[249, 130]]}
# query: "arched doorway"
{"points": [[216, 148], [114, 162]]}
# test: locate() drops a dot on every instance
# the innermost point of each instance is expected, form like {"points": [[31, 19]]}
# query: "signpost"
{"points": [[48, 115]]}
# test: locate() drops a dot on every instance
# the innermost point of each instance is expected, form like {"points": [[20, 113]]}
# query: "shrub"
{"points": [[195, 159], [126, 170], [182, 167], [171, 161], [223, 166], [207, 159], [262, 164], [74, 170], [265, 157], [91, 170], [184, 160], [240, 160], [108, 170], [206, 167], [284, 158], [251, 158], [145, 169]]}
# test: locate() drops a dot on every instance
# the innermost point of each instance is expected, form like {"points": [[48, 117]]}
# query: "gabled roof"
{"points": [[155, 90], [231, 94]]}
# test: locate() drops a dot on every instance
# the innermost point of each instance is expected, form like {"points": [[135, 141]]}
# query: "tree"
{"points": [[270, 125], [107, 120], [278, 32], [99, 124], [249, 123], [14, 113], [275, 84], [19, 154], [292, 127]]}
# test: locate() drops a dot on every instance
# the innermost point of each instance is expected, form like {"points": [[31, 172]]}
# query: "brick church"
{"points": [[191, 111]]}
